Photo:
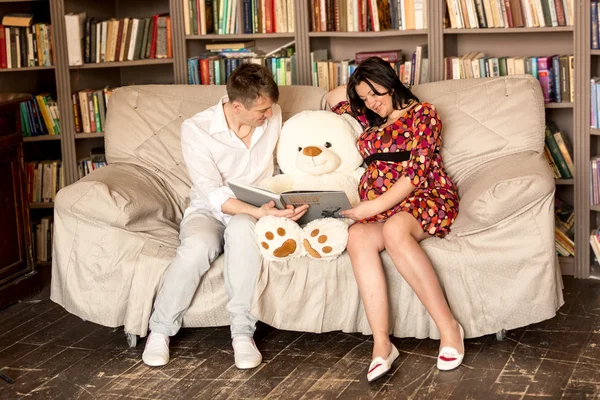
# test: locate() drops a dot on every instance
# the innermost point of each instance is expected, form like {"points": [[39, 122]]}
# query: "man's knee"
{"points": [[201, 246], [240, 226]]}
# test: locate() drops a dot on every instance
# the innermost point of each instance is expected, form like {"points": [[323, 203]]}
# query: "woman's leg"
{"points": [[401, 235], [365, 242]]}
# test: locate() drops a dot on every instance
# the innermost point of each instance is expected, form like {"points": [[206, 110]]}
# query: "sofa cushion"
{"points": [[476, 131]]}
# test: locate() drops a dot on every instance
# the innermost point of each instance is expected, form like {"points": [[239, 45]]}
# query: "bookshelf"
{"points": [[61, 79]]}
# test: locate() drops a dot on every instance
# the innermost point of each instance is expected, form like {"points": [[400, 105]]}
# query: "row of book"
{"points": [[220, 59], [595, 102], [215, 70], [329, 74], [594, 19], [89, 109], [595, 243], [595, 180], [39, 116], [558, 152], [509, 13], [556, 73], [44, 179], [564, 223], [24, 44], [367, 15], [127, 39], [224, 17], [42, 238], [96, 159]]}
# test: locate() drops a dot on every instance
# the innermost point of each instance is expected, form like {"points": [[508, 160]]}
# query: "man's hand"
{"points": [[362, 210], [291, 212]]}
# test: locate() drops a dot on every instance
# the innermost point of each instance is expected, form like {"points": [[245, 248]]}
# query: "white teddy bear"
{"points": [[316, 151]]}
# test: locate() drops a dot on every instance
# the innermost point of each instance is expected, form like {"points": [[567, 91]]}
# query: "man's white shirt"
{"points": [[214, 156]]}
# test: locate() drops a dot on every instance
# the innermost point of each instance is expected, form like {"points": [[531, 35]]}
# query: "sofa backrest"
{"points": [[483, 119], [143, 123]]}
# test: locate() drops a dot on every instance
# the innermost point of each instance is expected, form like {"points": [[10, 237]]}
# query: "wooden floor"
{"points": [[51, 354]]}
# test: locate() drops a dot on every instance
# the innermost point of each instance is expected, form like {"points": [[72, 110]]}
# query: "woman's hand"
{"points": [[362, 210]]}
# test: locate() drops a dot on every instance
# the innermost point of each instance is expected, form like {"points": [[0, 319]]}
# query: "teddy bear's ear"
{"points": [[356, 127]]}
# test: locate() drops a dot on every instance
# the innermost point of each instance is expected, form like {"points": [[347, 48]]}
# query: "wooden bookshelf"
{"points": [[95, 135], [559, 105], [41, 138], [564, 181], [41, 205], [34, 80], [119, 64], [26, 69], [363, 35], [487, 31], [242, 36]]}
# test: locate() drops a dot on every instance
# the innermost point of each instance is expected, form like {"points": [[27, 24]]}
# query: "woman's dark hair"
{"points": [[248, 82], [377, 70]]}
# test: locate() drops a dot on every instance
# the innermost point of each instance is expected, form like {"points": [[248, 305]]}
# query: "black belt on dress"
{"points": [[397, 156]]}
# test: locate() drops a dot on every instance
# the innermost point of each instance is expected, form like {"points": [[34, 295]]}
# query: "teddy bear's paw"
{"points": [[325, 238], [278, 238]]}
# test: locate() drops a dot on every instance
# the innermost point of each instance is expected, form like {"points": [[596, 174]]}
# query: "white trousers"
{"points": [[202, 238]]}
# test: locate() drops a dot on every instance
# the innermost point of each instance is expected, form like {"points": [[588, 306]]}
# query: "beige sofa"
{"points": [[116, 230]]}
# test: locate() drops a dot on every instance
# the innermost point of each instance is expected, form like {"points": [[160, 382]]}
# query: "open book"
{"points": [[322, 203]]}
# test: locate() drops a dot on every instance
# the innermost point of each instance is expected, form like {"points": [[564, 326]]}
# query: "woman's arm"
{"points": [[336, 95], [395, 195]]}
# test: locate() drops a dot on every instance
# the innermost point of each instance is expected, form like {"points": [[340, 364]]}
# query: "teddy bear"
{"points": [[316, 151]]}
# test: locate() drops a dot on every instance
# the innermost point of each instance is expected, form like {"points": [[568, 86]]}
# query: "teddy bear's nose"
{"points": [[311, 151]]}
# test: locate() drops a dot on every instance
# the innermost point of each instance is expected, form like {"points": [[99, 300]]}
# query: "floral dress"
{"points": [[434, 202]]}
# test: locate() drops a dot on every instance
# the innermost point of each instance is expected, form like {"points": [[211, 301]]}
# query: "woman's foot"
{"points": [[382, 364], [452, 348]]}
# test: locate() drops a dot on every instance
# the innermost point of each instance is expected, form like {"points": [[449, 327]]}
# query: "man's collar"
{"points": [[219, 123]]}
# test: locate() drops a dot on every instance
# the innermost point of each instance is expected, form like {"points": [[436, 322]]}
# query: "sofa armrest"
{"points": [[502, 189], [124, 196]]}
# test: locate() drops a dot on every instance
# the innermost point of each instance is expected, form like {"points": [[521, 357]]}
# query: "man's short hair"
{"points": [[248, 82]]}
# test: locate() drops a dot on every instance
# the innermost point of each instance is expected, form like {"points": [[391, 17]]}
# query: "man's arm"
{"points": [[206, 176]]}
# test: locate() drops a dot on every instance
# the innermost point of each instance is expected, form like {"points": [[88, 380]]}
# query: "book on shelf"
{"points": [[89, 109], [39, 116], [564, 222], [227, 17], [474, 14], [96, 160], [368, 15], [44, 179], [322, 203], [214, 68], [330, 74], [25, 44], [42, 231], [127, 39], [555, 73], [558, 152]]}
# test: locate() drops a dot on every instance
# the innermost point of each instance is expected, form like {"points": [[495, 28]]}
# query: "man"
{"points": [[231, 141]]}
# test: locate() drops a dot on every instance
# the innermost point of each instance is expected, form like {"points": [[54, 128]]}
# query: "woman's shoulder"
{"points": [[423, 106], [424, 109], [341, 107]]}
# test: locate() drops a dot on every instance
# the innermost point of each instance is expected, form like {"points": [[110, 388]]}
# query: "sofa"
{"points": [[116, 230]]}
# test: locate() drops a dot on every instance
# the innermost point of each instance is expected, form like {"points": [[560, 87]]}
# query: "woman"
{"points": [[406, 197]]}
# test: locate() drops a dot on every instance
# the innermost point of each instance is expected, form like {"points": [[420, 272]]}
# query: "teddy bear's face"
{"points": [[318, 143]]}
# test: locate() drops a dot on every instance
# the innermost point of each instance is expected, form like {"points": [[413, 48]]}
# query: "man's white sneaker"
{"points": [[245, 352], [156, 352]]}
